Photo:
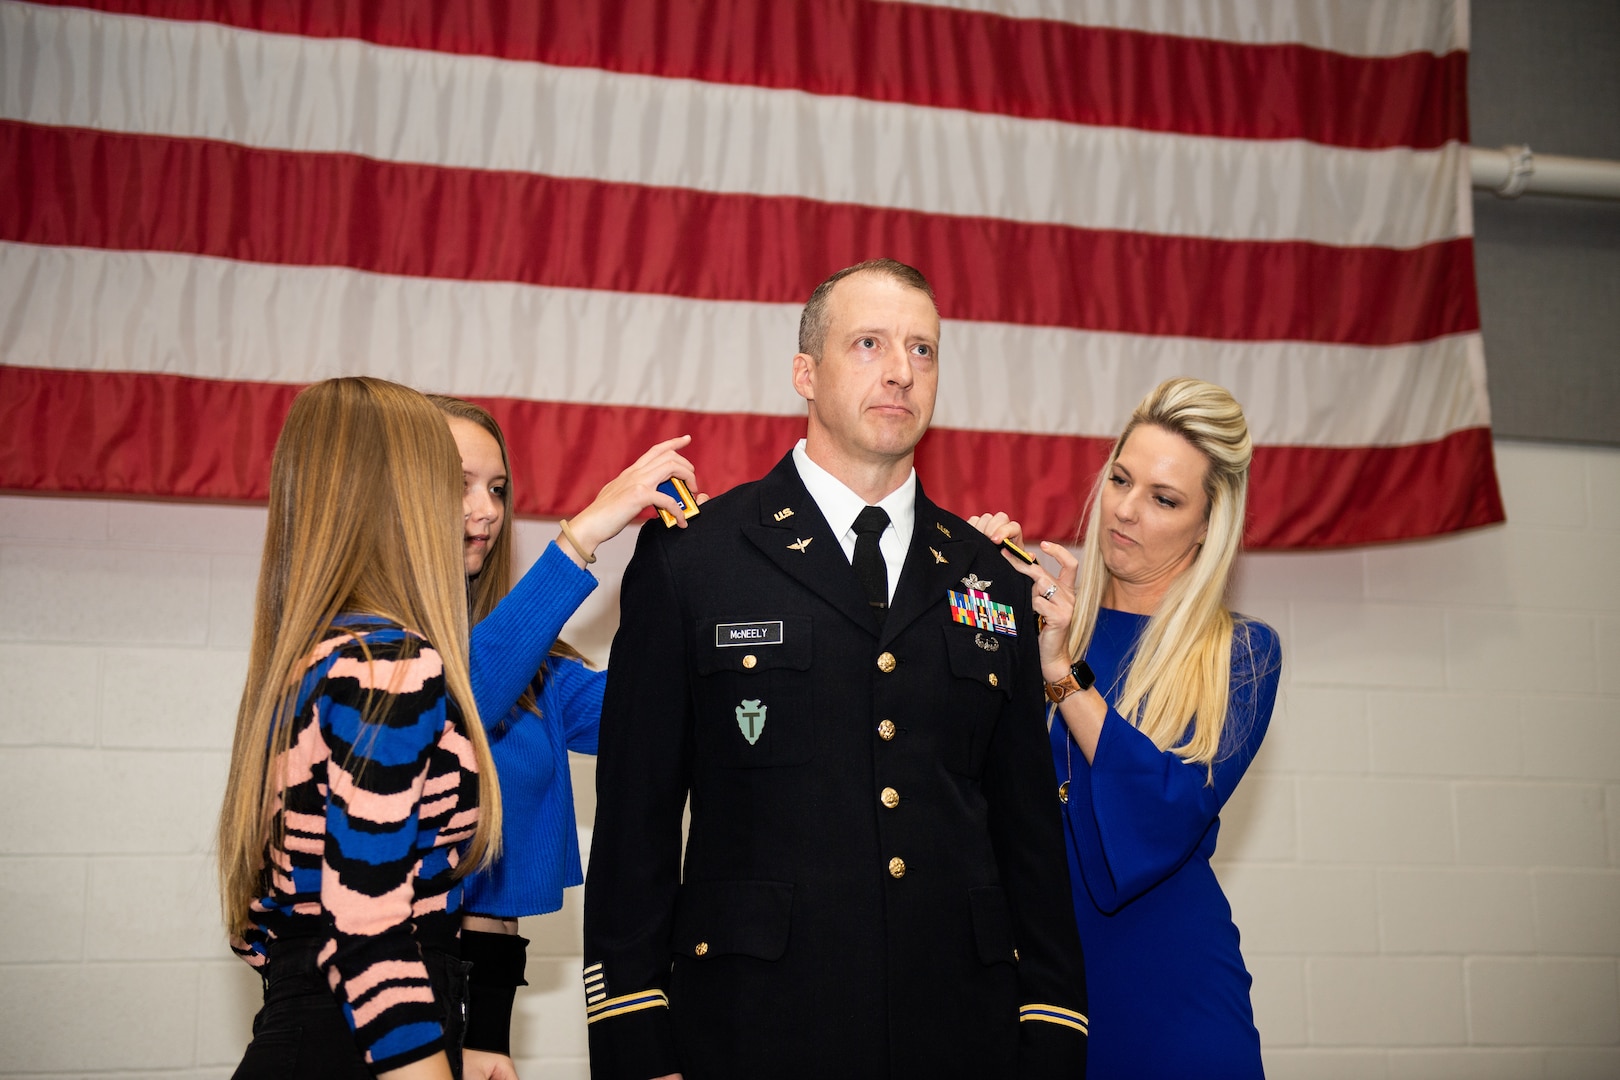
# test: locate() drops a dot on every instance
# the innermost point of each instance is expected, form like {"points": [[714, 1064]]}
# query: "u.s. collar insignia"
{"points": [[800, 546], [751, 720], [938, 558], [973, 581], [943, 529], [784, 513]]}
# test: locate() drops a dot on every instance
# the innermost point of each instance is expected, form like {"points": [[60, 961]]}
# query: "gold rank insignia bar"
{"points": [[1018, 552], [676, 489]]}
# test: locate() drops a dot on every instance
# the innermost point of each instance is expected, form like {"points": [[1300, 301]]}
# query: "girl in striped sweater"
{"points": [[361, 783]]}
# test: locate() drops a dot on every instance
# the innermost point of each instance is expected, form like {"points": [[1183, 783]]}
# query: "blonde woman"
{"points": [[1161, 696], [361, 784]]}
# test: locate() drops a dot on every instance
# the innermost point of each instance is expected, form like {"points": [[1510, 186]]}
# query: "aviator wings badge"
{"points": [[973, 581], [751, 720]]}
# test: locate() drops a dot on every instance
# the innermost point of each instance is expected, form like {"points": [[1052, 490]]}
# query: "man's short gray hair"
{"points": [[813, 323]]}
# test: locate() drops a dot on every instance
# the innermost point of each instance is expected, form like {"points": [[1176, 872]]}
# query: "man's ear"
{"points": [[804, 376]]}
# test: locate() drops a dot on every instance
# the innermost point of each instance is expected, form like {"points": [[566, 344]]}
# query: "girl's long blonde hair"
{"points": [[365, 516], [1180, 674]]}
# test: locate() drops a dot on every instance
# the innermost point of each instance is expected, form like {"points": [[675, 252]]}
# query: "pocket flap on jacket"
{"points": [[753, 646], [748, 917], [992, 925], [981, 655]]}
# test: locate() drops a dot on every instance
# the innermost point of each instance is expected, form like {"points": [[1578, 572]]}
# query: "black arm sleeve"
{"points": [[1026, 827], [642, 777]]}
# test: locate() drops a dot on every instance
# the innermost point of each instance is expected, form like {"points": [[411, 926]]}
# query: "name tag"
{"points": [[733, 634]]}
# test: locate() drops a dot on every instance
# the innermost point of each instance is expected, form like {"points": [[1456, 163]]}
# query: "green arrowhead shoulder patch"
{"points": [[751, 719]]}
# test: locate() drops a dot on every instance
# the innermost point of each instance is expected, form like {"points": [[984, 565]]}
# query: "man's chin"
{"points": [[898, 433], [871, 442]]}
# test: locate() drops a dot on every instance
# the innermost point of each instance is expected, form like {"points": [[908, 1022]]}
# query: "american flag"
{"points": [[601, 220]]}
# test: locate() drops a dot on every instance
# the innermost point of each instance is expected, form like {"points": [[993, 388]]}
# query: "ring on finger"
{"points": [[1051, 590]]}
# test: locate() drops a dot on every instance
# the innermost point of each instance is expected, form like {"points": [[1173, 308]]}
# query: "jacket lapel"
{"points": [[939, 558], [792, 533]]}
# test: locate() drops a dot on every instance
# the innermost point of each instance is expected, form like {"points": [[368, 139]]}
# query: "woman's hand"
{"points": [[629, 493], [436, 1067], [483, 1065], [998, 527], [1052, 597]]}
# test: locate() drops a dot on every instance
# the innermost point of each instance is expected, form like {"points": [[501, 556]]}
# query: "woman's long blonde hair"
{"points": [[365, 516], [494, 580], [1181, 671]]}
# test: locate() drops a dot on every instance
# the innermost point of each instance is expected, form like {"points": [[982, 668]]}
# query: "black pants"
{"points": [[300, 1033]]}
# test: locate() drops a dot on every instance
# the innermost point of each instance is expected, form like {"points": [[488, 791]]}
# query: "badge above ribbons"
{"points": [[751, 720]]}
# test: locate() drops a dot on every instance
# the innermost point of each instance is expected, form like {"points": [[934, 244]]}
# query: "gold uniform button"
{"points": [[700, 949], [993, 679], [886, 730], [890, 797], [886, 662], [1015, 956], [897, 867], [749, 661]]}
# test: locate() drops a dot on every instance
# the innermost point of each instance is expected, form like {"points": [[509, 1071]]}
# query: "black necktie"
{"points": [[868, 562]]}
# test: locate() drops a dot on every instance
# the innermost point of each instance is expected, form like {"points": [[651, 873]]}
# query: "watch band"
{"points": [[1079, 678]]}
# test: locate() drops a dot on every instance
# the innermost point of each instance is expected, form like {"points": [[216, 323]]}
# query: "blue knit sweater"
{"points": [[539, 842]]}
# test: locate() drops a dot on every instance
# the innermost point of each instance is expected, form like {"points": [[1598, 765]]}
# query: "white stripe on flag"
{"points": [[76, 68], [211, 318]]}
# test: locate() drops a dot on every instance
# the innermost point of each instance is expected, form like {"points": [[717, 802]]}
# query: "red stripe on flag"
{"points": [[119, 433], [1316, 497], [918, 55], [79, 188], [164, 435]]}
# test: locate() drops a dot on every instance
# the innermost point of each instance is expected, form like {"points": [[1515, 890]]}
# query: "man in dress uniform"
{"points": [[843, 679]]}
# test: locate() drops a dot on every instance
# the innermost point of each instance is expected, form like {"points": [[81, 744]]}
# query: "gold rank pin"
{"points": [[676, 489], [1018, 552]]}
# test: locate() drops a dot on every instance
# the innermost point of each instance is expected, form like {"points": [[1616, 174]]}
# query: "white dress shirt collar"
{"points": [[839, 505]]}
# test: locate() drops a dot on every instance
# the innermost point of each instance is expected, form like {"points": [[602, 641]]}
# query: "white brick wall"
{"points": [[1445, 755], [1425, 862]]}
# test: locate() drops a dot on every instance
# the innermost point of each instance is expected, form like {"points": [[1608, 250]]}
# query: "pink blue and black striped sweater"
{"points": [[377, 795]]}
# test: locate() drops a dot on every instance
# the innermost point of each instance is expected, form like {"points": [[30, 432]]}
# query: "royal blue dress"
{"points": [[1168, 991]]}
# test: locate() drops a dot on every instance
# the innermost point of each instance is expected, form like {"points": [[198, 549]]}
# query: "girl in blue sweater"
{"points": [[538, 701]]}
